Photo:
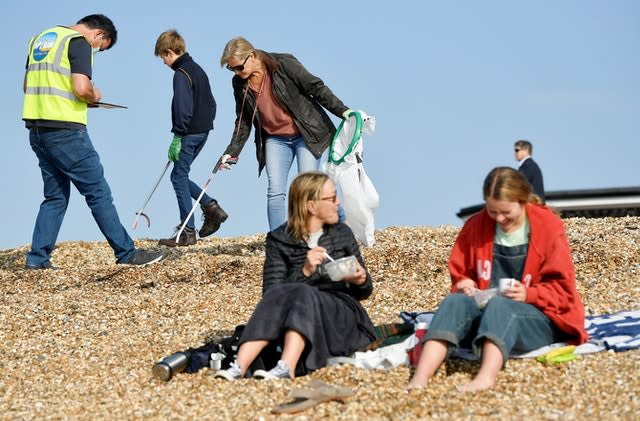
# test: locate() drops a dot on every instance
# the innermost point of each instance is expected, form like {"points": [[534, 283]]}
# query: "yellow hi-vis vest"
{"points": [[49, 93]]}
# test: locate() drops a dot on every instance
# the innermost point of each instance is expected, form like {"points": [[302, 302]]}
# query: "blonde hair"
{"points": [[238, 48], [170, 40], [505, 183], [306, 186]]}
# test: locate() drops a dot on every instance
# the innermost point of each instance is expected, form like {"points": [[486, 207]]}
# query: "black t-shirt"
{"points": [[80, 60], [80, 56]]}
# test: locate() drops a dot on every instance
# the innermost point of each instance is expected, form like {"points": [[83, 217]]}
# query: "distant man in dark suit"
{"points": [[527, 166]]}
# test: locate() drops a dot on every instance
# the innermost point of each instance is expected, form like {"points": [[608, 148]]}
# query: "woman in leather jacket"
{"points": [[284, 102]]}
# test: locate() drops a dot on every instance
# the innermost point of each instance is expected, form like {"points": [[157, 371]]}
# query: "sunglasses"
{"points": [[333, 198], [517, 150], [239, 67]]}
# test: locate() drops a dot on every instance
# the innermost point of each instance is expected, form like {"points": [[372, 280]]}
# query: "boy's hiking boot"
{"points": [[213, 216], [187, 238], [142, 257]]}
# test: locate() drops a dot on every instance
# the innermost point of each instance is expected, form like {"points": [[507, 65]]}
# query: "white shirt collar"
{"points": [[522, 160]]}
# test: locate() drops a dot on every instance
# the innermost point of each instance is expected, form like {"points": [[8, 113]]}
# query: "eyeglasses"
{"points": [[239, 67], [517, 150], [333, 198]]}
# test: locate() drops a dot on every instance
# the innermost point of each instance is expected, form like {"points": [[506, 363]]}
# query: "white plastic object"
{"points": [[341, 268], [358, 195], [483, 296], [506, 283]]}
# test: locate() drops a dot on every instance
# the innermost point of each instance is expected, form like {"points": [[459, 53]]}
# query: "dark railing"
{"points": [[588, 203]]}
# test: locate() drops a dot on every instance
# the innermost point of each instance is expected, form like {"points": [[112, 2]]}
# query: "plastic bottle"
{"points": [[414, 353]]}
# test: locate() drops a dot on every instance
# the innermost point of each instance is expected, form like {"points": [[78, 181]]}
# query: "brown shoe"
{"points": [[187, 238], [213, 217]]}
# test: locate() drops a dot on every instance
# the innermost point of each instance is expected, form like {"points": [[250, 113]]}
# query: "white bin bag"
{"points": [[344, 166]]}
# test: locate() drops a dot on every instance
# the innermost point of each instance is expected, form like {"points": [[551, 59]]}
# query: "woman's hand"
{"points": [[315, 256], [466, 286], [517, 292], [359, 277]]}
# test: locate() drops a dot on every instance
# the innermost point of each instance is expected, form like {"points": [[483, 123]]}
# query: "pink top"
{"points": [[273, 117]]}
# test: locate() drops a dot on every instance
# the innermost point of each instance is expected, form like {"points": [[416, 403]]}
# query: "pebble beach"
{"points": [[79, 342]]}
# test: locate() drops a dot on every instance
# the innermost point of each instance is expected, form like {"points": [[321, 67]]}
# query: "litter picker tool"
{"points": [[141, 211], [231, 160]]}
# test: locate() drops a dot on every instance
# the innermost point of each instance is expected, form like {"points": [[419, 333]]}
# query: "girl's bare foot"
{"points": [[491, 363], [417, 384], [478, 384]]}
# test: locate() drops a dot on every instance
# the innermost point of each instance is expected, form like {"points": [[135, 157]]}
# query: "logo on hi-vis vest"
{"points": [[43, 45]]}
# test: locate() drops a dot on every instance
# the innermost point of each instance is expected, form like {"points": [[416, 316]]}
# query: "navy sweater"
{"points": [[193, 108]]}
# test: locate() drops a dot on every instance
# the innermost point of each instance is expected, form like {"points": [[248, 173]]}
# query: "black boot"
{"points": [[187, 238], [213, 217]]}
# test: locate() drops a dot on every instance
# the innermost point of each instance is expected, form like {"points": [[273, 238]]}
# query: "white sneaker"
{"points": [[232, 373], [280, 371]]}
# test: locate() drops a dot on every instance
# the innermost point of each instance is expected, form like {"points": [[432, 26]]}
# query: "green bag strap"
{"points": [[356, 136]]}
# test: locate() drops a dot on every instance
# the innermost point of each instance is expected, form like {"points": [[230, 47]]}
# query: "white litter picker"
{"points": [[345, 167]]}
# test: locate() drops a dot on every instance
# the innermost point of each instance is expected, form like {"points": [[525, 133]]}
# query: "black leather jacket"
{"points": [[301, 94]]}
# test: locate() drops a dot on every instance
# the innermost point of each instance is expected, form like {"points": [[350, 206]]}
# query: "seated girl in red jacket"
{"points": [[513, 237]]}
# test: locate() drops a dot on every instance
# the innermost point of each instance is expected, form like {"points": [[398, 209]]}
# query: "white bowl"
{"points": [[341, 268]]}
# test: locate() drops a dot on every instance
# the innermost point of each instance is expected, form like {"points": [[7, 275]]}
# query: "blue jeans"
{"points": [[280, 152], [511, 325], [184, 188], [65, 157]]}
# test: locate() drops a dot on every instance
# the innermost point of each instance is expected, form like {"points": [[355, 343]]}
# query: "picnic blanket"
{"points": [[613, 332]]}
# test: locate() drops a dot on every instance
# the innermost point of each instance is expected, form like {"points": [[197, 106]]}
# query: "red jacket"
{"points": [[548, 273]]}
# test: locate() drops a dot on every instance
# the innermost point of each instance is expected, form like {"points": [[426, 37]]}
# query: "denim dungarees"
{"points": [[510, 325]]}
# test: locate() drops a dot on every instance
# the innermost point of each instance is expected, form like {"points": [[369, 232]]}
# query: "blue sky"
{"points": [[452, 86]]}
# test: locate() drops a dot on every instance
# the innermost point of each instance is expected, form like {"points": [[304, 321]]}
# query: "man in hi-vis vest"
{"points": [[58, 87]]}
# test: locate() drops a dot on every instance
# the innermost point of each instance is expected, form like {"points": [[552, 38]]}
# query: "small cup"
{"points": [[216, 360], [506, 283]]}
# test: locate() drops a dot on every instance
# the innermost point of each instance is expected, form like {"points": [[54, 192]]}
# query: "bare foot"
{"points": [[478, 384], [417, 384]]}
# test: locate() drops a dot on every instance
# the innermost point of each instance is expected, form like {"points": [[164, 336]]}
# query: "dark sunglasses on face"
{"points": [[239, 67], [331, 198], [517, 150]]}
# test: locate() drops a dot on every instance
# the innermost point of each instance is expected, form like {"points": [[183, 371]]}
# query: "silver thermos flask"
{"points": [[170, 366]]}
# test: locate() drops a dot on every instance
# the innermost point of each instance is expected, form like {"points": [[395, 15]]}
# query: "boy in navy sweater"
{"points": [[193, 110]]}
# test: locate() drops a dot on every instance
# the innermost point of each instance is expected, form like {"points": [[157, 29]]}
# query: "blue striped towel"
{"points": [[615, 332]]}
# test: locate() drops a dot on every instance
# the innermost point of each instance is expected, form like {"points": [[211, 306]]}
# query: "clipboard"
{"points": [[106, 105]]}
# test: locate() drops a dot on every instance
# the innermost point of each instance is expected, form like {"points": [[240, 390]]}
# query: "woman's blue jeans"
{"points": [[184, 188], [280, 152], [511, 325], [65, 157]]}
